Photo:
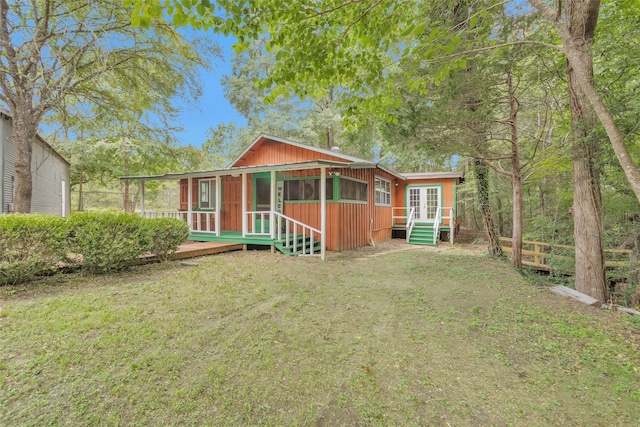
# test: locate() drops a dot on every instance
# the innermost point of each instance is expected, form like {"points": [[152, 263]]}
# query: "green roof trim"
{"points": [[238, 170]]}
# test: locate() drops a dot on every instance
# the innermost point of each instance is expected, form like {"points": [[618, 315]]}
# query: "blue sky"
{"points": [[212, 108]]}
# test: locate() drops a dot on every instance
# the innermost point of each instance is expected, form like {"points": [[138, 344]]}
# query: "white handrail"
{"points": [[289, 227], [451, 219], [436, 225], [201, 221], [165, 214], [263, 216], [394, 217], [410, 222]]}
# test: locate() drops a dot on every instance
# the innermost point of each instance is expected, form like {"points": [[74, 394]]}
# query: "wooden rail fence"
{"points": [[560, 258]]}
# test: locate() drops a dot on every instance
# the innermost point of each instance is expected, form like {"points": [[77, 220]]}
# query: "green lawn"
{"points": [[422, 337]]}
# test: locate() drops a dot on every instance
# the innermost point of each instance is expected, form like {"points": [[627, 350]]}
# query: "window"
{"points": [[306, 189], [383, 191], [207, 194], [353, 190]]}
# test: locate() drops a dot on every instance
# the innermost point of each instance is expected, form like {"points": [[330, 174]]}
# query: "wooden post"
{"points": [[218, 203], [190, 203], [451, 225], [323, 213], [244, 204], [536, 257], [272, 225]]}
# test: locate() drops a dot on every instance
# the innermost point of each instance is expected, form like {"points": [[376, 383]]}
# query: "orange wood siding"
{"points": [[184, 194], [349, 224], [448, 192], [268, 152], [359, 223], [231, 213]]}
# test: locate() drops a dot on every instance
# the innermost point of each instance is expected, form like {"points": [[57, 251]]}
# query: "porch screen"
{"points": [[353, 190], [306, 189], [207, 194]]}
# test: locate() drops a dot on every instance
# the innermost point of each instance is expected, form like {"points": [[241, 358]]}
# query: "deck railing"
{"points": [[294, 234], [165, 214], [561, 258], [200, 221], [448, 215], [402, 219], [258, 229]]}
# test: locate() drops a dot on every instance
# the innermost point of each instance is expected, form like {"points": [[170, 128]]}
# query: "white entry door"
{"points": [[425, 201]]}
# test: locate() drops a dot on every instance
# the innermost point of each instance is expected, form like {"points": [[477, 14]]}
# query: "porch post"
{"points": [[244, 204], [189, 203], [218, 203], [323, 213], [141, 183], [272, 219]]}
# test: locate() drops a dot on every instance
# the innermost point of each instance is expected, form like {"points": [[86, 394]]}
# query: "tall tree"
{"points": [[52, 52], [575, 24]]}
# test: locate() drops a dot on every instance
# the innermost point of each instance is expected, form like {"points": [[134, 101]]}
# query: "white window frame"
{"points": [[382, 194], [210, 185]]}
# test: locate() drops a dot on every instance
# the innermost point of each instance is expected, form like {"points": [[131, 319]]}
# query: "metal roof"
{"points": [[7, 114], [350, 162], [434, 175]]}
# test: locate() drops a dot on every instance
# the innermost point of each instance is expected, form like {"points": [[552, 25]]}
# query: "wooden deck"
{"points": [[195, 249]]}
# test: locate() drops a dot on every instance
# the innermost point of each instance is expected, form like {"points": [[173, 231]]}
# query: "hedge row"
{"points": [[33, 245]]}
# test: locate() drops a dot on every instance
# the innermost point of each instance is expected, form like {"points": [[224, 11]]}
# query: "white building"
{"points": [[50, 173]]}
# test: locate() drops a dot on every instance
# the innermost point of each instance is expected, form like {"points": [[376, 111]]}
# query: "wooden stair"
{"points": [[288, 249], [423, 235]]}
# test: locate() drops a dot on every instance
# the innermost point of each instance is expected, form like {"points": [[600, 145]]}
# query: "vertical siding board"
{"points": [[348, 224], [272, 152], [48, 172]]}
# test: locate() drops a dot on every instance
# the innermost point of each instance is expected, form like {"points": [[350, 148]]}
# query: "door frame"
{"points": [[254, 196], [420, 186]]}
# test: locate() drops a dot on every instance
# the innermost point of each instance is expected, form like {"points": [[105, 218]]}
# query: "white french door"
{"points": [[426, 201]]}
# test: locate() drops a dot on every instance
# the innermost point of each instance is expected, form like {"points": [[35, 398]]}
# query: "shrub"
{"points": [[107, 241], [165, 235], [30, 245]]}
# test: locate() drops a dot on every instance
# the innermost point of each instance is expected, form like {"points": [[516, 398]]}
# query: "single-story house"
{"points": [[305, 200], [49, 171]]}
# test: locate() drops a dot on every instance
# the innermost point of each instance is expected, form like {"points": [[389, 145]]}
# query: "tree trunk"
{"points": [[516, 178], [24, 132], [582, 15], [587, 200], [80, 201], [500, 216], [126, 205], [481, 172]]}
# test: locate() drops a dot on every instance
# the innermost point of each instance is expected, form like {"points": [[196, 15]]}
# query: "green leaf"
{"points": [[145, 22], [178, 19], [420, 29], [135, 20], [407, 31]]}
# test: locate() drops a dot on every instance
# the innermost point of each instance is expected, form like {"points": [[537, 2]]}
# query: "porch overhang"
{"points": [[318, 164]]}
